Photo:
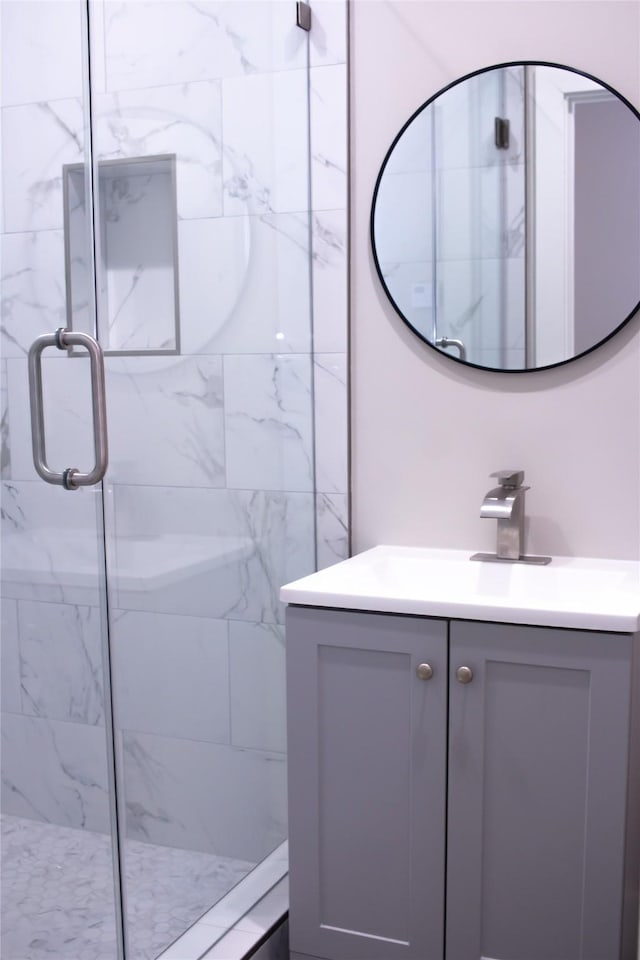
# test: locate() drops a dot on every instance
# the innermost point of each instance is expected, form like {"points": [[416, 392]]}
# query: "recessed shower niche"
{"points": [[137, 246]]}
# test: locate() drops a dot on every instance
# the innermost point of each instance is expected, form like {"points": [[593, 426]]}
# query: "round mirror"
{"points": [[506, 217]]}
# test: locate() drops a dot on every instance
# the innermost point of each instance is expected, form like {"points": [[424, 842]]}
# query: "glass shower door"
{"points": [[479, 239], [59, 871], [200, 133], [195, 282]]}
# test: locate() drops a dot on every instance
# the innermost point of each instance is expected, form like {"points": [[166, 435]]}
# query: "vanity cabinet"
{"points": [[484, 814]]}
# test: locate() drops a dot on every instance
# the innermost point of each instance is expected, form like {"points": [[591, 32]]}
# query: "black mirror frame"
{"points": [[449, 86]]}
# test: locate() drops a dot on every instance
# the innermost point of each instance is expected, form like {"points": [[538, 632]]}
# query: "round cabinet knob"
{"points": [[424, 671], [464, 674]]}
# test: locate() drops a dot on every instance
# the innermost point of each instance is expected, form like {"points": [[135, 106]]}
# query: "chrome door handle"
{"points": [[452, 342], [71, 478]]}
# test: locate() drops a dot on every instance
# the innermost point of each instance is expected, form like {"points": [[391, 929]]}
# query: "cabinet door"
{"points": [[367, 754], [538, 751]]}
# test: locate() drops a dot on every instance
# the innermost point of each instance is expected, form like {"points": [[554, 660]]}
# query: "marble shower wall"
{"points": [[329, 206], [53, 738], [222, 460]]}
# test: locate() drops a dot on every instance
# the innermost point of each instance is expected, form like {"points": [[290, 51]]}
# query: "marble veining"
{"points": [[247, 819], [244, 186], [51, 550], [265, 163], [20, 540], [329, 239], [12, 512], [184, 120], [294, 227], [332, 530], [5, 445], [328, 127], [198, 40], [60, 661], [54, 771], [329, 268], [330, 386], [32, 285], [58, 892], [167, 420], [43, 137], [268, 410], [514, 235]]}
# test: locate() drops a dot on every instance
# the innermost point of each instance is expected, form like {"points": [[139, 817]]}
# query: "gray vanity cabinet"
{"points": [[498, 804], [537, 795], [367, 792]]}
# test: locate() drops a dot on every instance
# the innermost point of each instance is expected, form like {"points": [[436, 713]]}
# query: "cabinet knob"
{"points": [[464, 674], [424, 671]]}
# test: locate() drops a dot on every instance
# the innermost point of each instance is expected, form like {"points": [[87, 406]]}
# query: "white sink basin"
{"points": [[587, 594]]}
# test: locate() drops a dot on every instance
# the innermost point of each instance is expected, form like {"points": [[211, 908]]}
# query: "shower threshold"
{"points": [[231, 929]]}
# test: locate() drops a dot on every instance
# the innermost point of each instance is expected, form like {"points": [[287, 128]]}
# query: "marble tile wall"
{"points": [[329, 232], [222, 460]]}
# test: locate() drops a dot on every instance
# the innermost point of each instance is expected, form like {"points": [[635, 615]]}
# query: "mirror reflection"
{"points": [[506, 217]]}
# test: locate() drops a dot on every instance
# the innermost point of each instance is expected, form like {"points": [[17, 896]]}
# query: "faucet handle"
{"points": [[511, 479]]}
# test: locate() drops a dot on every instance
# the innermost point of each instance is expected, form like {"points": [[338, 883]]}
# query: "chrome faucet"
{"points": [[505, 503]]}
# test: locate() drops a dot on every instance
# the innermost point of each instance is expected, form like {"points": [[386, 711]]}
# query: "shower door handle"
{"points": [[71, 478], [451, 342]]}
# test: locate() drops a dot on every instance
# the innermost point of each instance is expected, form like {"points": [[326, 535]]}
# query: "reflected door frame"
{"points": [[550, 135]]}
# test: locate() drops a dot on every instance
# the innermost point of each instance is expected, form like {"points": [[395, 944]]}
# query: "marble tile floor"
{"points": [[57, 892]]}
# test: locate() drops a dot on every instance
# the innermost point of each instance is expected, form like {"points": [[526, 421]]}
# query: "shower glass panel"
{"points": [[209, 499], [479, 243], [58, 818], [142, 636]]}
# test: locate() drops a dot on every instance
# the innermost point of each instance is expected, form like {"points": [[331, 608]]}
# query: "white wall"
{"points": [[426, 432]]}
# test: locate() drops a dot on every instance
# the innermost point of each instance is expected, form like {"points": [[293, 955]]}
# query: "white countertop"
{"points": [[584, 594]]}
